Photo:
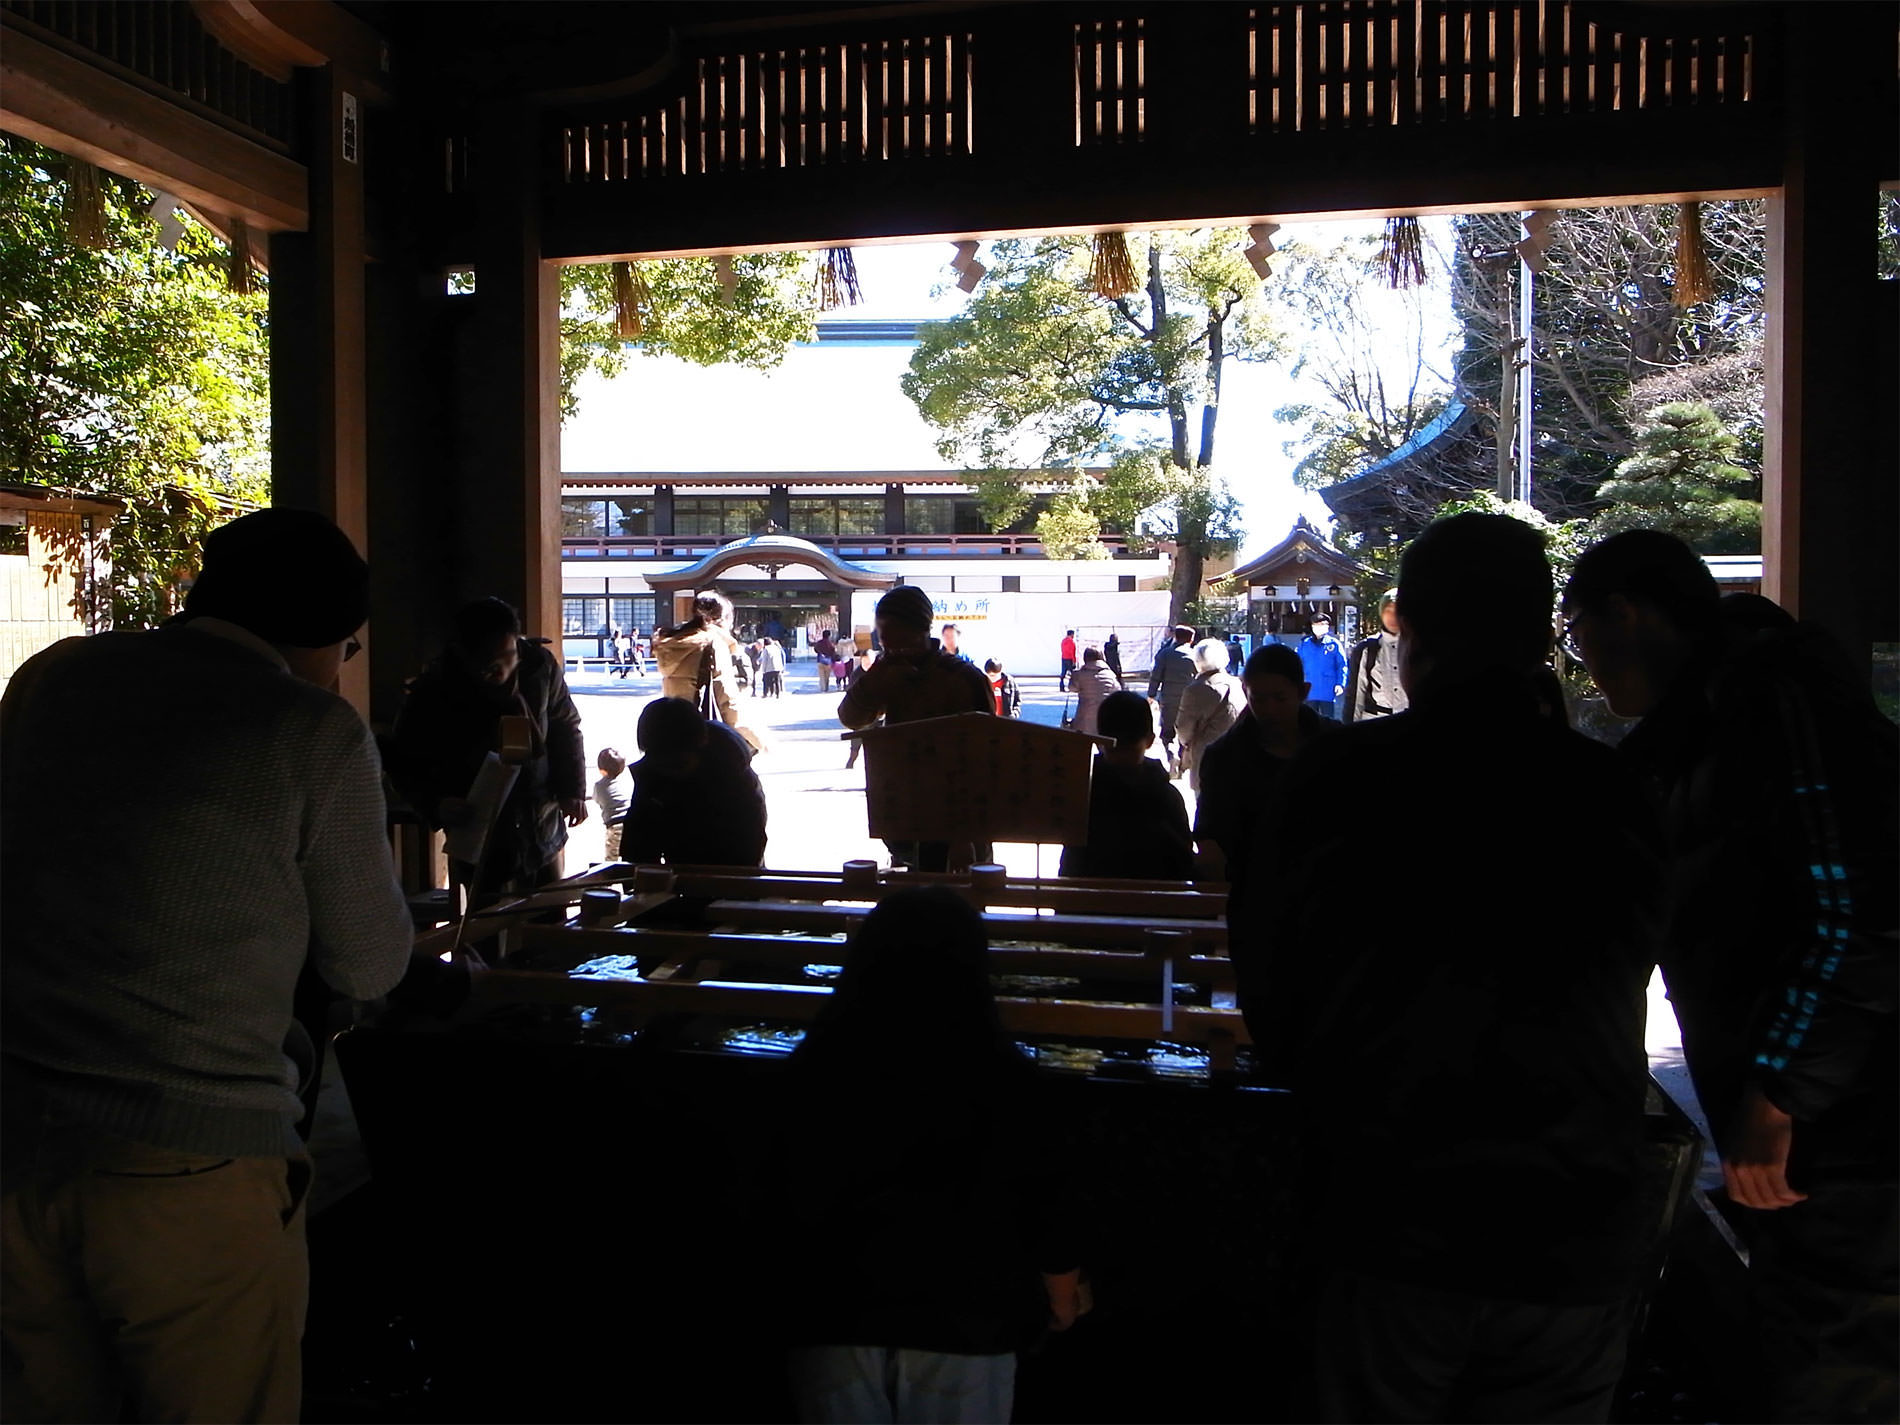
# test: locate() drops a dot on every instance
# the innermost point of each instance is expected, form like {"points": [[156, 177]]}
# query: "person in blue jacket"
{"points": [[1325, 667]]}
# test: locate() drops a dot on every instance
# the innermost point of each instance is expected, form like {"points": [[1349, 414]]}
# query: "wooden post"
{"points": [[1829, 478], [510, 535], [319, 439]]}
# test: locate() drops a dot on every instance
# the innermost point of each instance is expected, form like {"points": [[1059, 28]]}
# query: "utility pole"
{"points": [[1526, 281]]}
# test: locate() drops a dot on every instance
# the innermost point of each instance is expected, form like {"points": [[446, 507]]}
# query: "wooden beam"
{"points": [[275, 37], [1546, 164], [58, 100]]}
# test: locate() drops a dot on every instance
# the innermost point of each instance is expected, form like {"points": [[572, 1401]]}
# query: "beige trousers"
{"points": [[146, 1284]]}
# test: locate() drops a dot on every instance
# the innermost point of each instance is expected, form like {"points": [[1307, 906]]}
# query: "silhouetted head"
{"points": [[672, 734], [292, 578], [903, 620], [1504, 557], [485, 635], [914, 999], [1127, 718], [1183, 633], [1636, 606], [712, 606], [1275, 683]]}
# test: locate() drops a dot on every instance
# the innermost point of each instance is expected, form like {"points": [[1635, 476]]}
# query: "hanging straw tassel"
{"points": [[1112, 269], [1402, 253], [1693, 283], [85, 208], [633, 301], [240, 271], [838, 280]]}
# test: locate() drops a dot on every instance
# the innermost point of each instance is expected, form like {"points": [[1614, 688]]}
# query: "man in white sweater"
{"points": [[188, 816]]}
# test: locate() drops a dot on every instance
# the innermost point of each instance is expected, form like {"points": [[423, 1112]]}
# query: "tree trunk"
{"points": [[1189, 560]]}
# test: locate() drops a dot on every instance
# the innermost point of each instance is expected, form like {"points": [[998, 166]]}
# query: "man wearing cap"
{"points": [[1325, 667], [152, 1205]]}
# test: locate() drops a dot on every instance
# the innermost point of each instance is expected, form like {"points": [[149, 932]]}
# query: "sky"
{"points": [[839, 407]]}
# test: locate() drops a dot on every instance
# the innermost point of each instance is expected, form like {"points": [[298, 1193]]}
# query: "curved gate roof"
{"points": [[770, 552]]}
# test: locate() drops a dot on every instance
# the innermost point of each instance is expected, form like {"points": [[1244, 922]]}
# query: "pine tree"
{"points": [[1683, 480]]}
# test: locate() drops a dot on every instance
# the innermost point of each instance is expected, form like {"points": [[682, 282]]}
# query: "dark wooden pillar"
{"points": [[1829, 488], [508, 536], [318, 394]]}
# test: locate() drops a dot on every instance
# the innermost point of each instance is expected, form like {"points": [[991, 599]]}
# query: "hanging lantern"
{"points": [[1402, 253], [85, 208], [838, 280], [1111, 269], [1692, 258], [240, 269], [633, 302]]}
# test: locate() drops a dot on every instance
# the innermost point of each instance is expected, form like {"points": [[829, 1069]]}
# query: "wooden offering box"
{"points": [[978, 778]]}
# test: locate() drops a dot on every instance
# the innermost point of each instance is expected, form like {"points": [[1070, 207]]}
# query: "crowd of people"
{"points": [[1464, 1039]]}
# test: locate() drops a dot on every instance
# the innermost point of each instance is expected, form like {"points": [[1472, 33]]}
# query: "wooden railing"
{"points": [[1278, 69], [905, 93], [162, 44], [845, 546], [1391, 63]]}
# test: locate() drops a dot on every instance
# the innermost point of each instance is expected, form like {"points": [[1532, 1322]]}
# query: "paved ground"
{"points": [[815, 806]]}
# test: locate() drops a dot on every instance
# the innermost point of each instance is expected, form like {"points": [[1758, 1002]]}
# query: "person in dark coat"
{"points": [[1112, 655], [1242, 769], [1138, 825], [695, 799], [914, 679], [934, 1234], [1776, 776], [1009, 699], [1174, 669], [1470, 1070], [451, 720]]}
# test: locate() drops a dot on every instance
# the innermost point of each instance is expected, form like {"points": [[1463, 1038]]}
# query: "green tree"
{"points": [[1683, 479], [686, 314], [1069, 529], [1605, 324], [1041, 372], [129, 369]]}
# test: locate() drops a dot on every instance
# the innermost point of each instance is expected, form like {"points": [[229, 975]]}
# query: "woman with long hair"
{"points": [[696, 658], [929, 1250]]}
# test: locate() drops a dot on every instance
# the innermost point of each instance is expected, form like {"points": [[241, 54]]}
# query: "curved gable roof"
{"points": [[772, 552], [1304, 553]]}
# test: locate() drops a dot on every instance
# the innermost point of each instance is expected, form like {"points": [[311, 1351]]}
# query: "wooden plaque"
{"points": [[974, 777]]}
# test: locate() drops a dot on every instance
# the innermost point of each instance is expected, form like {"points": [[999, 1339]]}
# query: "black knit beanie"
{"points": [[289, 576], [907, 606]]}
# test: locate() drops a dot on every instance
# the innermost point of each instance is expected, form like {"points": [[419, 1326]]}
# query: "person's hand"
{"points": [[1755, 1158], [1065, 1297], [575, 810]]}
